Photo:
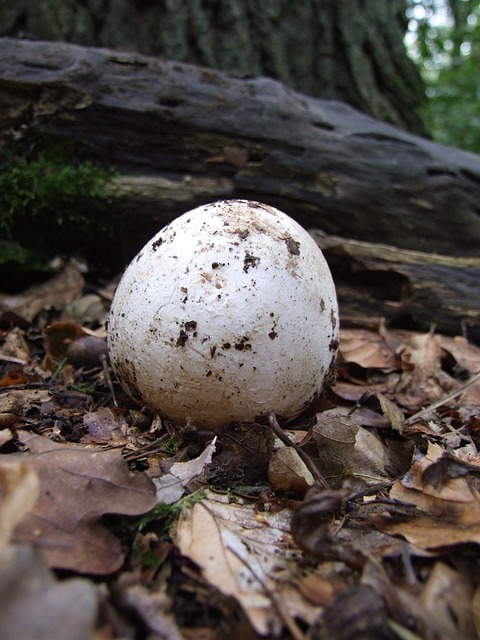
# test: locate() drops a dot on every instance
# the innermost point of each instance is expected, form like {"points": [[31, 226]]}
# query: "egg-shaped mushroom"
{"points": [[229, 312]]}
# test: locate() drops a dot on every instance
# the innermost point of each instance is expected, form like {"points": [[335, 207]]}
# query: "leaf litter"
{"points": [[69, 532], [360, 519]]}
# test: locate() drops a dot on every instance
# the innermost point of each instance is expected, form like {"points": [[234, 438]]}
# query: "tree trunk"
{"points": [[191, 135], [349, 50]]}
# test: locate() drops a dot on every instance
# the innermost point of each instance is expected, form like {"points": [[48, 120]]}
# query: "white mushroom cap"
{"points": [[229, 312]]}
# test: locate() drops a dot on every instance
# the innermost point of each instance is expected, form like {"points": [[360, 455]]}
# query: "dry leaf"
{"points": [[77, 486], [450, 513], [447, 597], [172, 486], [15, 346], [10, 404], [423, 379], [367, 349], [37, 606], [433, 366], [288, 472], [6, 434], [70, 340], [105, 425], [14, 376], [16, 365], [348, 451], [313, 518], [466, 363], [466, 460], [34, 402], [390, 410], [57, 292], [476, 610], [365, 415], [357, 612], [466, 354], [19, 490], [154, 609], [246, 556], [318, 589], [88, 309], [58, 337]]}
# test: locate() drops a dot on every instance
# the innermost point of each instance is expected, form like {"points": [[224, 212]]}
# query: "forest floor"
{"points": [[358, 520]]}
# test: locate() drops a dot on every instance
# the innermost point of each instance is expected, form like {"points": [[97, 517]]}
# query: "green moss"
{"points": [[161, 520], [53, 201], [168, 514]]}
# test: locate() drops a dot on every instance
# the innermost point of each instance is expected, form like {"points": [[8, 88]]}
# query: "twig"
{"points": [[24, 387], [442, 401], [277, 429], [277, 601], [108, 378], [360, 402]]}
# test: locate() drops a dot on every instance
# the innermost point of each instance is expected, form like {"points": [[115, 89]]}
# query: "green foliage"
{"points": [[169, 513], [453, 111], [161, 519], [444, 40], [171, 445], [232, 498], [51, 202], [12, 252]]}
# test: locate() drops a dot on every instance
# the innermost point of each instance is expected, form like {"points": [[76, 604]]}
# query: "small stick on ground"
{"points": [[276, 600], [442, 401], [277, 429], [108, 378]]}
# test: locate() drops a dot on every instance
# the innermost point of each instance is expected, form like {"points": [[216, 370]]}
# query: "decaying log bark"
{"points": [[196, 135], [407, 288], [349, 50]]}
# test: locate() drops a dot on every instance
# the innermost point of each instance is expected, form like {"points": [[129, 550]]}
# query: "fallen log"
{"points": [[183, 135], [408, 289]]}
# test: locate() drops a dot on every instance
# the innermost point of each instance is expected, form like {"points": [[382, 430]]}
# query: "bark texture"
{"points": [[349, 50], [185, 135], [405, 288]]}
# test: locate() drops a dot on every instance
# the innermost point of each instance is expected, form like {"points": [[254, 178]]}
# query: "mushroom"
{"points": [[229, 312]]}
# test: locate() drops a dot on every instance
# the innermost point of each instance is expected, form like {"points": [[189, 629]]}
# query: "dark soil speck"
{"points": [[157, 244], [182, 338], [250, 261], [293, 246], [243, 344]]}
